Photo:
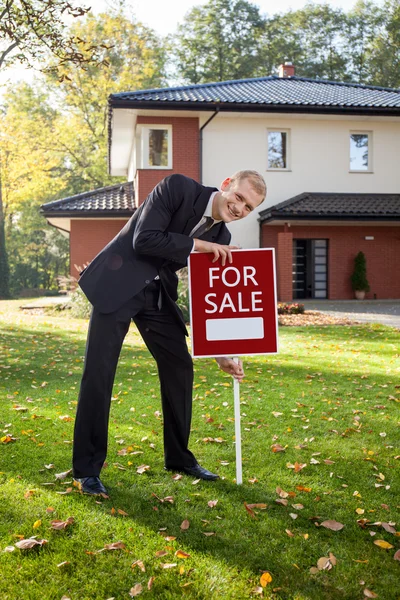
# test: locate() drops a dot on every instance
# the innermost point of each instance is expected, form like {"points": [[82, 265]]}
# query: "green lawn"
{"points": [[331, 398]]}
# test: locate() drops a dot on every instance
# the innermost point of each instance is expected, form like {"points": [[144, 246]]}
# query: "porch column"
{"points": [[284, 266]]}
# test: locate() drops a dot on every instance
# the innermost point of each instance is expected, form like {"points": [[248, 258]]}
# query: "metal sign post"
{"points": [[238, 438]]}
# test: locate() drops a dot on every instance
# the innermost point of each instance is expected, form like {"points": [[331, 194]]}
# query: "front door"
{"points": [[310, 269]]}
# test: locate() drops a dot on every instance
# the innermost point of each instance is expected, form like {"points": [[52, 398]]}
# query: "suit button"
{"points": [[147, 329], [147, 281]]}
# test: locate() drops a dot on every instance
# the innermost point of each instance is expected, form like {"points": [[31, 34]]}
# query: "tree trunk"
{"points": [[4, 267]]}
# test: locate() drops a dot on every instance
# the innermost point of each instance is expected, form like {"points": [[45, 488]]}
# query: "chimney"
{"points": [[286, 70]]}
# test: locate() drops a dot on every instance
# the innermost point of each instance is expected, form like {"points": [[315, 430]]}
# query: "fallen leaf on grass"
{"points": [[150, 582], [281, 493], [58, 524], [142, 469], [289, 533], [360, 511], [388, 527], [297, 466], [37, 524], [65, 563], [301, 488], [257, 590], [195, 482], [7, 439], [136, 590], [139, 564], [30, 543], [277, 448], [177, 477], [265, 579], [113, 546], [212, 503], [185, 525], [208, 533], [383, 544], [181, 554], [369, 594], [397, 555], [333, 525], [61, 476], [168, 565], [282, 501], [326, 563], [9, 549]]}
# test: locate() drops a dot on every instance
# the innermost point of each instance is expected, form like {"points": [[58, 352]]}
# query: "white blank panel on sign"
{"points": [[242, 328]]}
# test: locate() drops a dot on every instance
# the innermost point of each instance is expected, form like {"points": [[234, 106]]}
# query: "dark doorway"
{"points": [[310, 269]]}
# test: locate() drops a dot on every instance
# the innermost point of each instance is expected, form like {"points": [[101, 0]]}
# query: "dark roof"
{"points": [[266, 94], [331, 206], [114, 201]]}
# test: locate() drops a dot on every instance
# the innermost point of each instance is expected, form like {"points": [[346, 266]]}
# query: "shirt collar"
{"points": [[208, 211]]}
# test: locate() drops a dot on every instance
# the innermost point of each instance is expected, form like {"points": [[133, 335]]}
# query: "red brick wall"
{"points": [[88, 237], [185, 153], [382, 255]]}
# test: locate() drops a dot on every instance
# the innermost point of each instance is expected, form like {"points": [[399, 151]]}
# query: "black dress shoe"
{"points": [[91, 485], [196, 471]]}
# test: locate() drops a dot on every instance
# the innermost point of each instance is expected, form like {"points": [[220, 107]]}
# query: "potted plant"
{"points": [[359, 281]]}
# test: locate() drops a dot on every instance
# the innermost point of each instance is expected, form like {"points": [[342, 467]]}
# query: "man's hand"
{"points": [[219, 251], [230, 366]]}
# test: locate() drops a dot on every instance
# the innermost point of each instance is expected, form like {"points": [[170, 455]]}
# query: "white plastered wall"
{"points": [[319, 157]]}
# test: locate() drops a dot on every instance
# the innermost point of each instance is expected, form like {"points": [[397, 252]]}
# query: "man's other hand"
{"points": [[230, 366], [220, 252]]}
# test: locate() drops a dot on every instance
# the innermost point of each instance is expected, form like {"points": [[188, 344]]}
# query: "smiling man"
{"points": [[134, 278]]}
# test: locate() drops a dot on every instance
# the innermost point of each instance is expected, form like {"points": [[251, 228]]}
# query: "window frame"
{"points": [[369, 168], [288, 149], [145, 145]]}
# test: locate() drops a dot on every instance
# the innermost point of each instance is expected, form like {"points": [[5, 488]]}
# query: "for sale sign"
{"points": [[233, 308]]}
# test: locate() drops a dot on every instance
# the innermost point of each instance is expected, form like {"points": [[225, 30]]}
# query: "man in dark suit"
{"points": [[133, 278]]}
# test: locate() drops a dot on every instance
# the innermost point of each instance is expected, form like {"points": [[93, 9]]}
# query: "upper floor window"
{"points": [[156, 147], [360, 151], [278, 149]]}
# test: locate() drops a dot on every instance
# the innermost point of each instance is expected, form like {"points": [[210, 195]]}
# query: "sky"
{"points": [[164, 15]]}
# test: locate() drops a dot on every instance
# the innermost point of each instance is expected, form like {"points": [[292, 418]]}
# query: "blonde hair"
{"points": [[256, 181]]}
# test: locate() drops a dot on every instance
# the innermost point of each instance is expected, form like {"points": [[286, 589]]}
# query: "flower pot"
{"points": [[360, 294]]}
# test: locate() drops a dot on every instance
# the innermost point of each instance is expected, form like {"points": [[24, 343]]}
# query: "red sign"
{"points": [[233, 308]]}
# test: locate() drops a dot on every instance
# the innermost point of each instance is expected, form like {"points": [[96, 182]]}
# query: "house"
{"points": [[328, 150]]}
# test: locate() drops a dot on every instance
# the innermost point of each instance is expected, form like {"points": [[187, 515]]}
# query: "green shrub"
{"points": [[359, 281]]}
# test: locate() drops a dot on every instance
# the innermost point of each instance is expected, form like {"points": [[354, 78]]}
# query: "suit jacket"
{"points": [[155, 241]]}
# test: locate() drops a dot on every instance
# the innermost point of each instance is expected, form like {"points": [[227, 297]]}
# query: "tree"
{"points": [[32, 30], [219, 41], [54, 137], [311, 37], [384, 61], [364, 22]]}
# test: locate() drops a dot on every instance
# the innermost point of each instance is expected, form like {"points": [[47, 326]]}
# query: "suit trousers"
{"points": [[165, 339]]}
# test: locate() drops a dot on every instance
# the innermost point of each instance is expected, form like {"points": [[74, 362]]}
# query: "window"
{"points": [[278, 149], [156, 147], [360, 151]]}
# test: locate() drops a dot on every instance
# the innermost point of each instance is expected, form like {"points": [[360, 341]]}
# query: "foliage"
{"points": [[292, 308], [319, 443], [54, 133], [78, 306], [33, 30], [219, 41], [359, 281], [228, 39], [183, 294]]}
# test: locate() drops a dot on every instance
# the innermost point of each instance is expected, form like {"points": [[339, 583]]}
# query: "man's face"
{"points": [[235, 201]]}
